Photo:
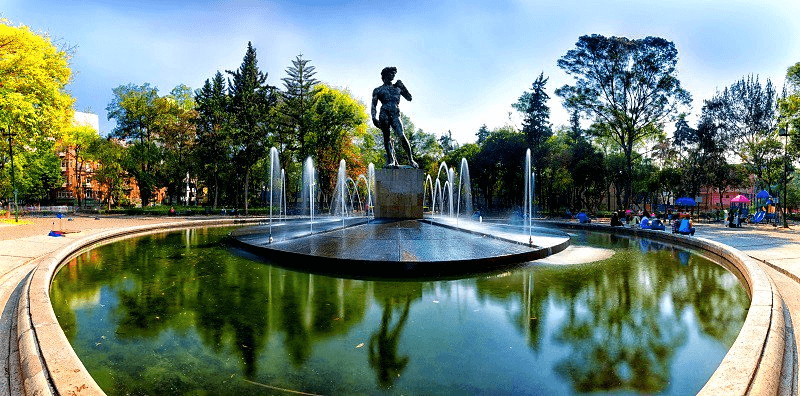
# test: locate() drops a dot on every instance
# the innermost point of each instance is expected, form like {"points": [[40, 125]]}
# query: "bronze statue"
{"points": [[389, 95]]}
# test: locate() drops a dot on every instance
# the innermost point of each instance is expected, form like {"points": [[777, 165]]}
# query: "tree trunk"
{"points": [[246, 189], [216, 189]]}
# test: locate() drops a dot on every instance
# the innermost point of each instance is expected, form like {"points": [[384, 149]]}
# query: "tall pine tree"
{"points": [[536, 124], [297, 101], [251, 100], [212, 150]]}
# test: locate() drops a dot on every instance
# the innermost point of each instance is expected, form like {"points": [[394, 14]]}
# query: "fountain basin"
{"points": [[399, 249]]}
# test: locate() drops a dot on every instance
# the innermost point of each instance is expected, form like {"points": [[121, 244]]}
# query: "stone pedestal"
{"points": [[399, 193]]}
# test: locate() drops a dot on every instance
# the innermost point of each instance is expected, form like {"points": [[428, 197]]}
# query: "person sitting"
{"points": [[583, 218], [686, 227], [635, 219], [645, 223], [656, 224], [615, 220]]}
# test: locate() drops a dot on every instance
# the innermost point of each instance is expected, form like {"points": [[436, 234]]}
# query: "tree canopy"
{"points": [[629, 86]]}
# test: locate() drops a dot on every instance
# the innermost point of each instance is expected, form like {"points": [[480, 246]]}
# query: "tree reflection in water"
{"points": [[623, 322], [176, 313]]}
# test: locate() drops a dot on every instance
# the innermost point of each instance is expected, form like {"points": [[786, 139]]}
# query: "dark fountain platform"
{"points": [[397, 249]]}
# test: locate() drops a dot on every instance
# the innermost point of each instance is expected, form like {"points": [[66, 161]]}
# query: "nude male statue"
{"points": [[389, 95]]}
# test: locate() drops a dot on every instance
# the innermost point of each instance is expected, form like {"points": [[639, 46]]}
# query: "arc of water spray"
{"points": [[528, 199], [273, 167]]}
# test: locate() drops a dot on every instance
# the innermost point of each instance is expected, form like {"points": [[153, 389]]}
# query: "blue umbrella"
{"points": [[685, 201]]}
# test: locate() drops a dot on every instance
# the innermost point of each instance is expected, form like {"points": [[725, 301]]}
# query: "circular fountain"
{"points": [[398, 242]]}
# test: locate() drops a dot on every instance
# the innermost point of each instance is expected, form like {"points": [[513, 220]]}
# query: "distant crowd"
{"points": [[678, 223]]}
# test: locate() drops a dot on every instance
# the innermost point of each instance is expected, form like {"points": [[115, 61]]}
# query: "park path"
{"points": [[21, 244], [776, 249]]}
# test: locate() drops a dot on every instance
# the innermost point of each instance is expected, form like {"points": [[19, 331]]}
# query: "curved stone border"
{"points": [[349, 254], [759, 362], [48, 363]]}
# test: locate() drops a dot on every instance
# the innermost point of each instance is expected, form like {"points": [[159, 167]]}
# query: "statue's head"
{"points": [[388, 73]]}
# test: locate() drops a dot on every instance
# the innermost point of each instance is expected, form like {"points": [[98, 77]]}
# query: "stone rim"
{"points": [[755, 363]]}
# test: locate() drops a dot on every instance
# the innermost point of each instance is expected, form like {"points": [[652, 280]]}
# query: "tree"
{"points": [[79, 139], [447, 142], [108, 153], [251, 101], [630, 87], [212, 152], [497, 169], [745, 113], [482, 134], [536, 124], [35, 106], [789, 110], [157, 131], [178, 135], [295, 102], [336, 120]]}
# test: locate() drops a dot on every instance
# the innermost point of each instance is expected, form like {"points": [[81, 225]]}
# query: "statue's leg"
{"points": [[389, 147], [398, 127]]}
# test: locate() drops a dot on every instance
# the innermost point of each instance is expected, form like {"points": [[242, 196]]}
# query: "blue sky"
{"points": [[464, 62]]}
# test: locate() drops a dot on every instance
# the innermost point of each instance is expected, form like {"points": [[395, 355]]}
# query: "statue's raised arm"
{"points": [[403, 90]]}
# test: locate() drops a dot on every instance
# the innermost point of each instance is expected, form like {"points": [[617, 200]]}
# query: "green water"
{"points": [[182, 313]]}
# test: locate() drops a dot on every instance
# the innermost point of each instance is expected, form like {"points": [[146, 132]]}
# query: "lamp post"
{"points": [[785, 133], [10, 135]]}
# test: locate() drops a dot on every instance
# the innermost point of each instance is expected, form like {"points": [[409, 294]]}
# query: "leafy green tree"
{"points": [[34, 74], [251, 101], [587, 168], [109, 154], [35, 108], [745, 113], [789, 110], [628, 86], [447, 142], [134, 109], [178, 135], [79, 139], [498, 168], [158, 131], [336, 120], [36, 169]]}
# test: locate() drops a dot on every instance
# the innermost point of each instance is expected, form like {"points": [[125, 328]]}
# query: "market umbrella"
{"points": [[740, 199], [685, 201]]}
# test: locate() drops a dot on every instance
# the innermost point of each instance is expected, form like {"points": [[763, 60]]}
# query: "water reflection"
{"points": [[210, 317], [383, 353]]}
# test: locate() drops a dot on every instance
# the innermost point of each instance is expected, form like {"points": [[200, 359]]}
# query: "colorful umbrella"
{"points": [[685, 201], [740, 198]]}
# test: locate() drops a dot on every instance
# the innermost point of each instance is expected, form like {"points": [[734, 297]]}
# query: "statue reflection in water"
{"points": [[384, 357]]}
